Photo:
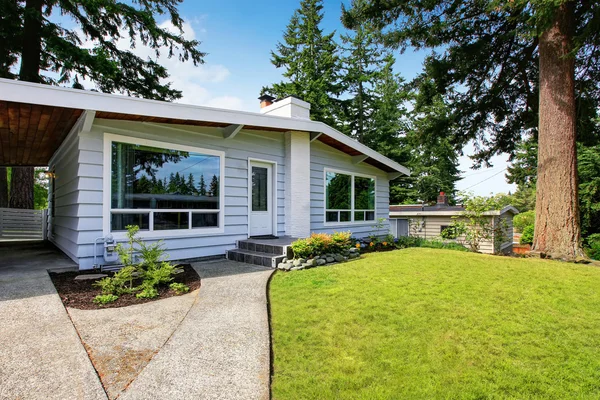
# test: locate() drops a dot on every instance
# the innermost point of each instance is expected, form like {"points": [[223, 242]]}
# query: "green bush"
{"points": [[593, 246], [527, 235], [301, 248], [523, 220], [151, 270], [179, 288], [340, 241], [105, 298], [321, 243], [147, 293]]}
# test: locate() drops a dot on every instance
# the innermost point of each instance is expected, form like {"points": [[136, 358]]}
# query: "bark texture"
{"points": [[3, 188], [21, 188], [557, 228]]}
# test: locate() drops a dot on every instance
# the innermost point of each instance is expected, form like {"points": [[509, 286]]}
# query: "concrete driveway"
{"points": [[219, 351], [42, 356]]}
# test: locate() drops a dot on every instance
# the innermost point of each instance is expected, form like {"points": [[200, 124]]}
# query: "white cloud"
{"points": [[190, 79], [229, 102]]}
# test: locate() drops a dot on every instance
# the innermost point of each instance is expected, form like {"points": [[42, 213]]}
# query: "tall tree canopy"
{"points": [[511, 69], [35, 47], [311, 62]]}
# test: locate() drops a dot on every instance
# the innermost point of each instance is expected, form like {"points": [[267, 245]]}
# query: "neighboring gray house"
{"points": [[203, 179], [428, 222]]}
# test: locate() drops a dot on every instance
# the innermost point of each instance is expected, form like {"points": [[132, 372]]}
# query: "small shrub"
{"points": [[340, 241], [319, 243], [147, 293], [151, 269], [301, 248], [527, 235], [103, 299], [179, 288], [523, 220]]}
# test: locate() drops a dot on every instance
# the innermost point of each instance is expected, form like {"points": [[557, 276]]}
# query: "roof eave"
{"points": [[24, 92]]}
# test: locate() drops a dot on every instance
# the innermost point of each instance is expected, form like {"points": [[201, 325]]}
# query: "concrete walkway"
{"points": [[221, 349], [41, 356]]}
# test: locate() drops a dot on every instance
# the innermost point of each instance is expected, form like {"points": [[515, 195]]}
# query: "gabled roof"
{"points": [[443, 211], [35, 110]]}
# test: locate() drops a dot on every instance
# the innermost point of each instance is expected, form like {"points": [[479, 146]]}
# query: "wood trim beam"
{"points": [[314, 136], [230, 131], [394, 175], [88, 120], [359, 158]]}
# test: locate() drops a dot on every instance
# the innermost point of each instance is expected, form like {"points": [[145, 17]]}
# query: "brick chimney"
{"points": [[291, 107], [266, 100], [442, 200]]}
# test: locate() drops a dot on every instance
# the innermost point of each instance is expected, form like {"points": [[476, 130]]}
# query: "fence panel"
{"points": [[21, 224]]}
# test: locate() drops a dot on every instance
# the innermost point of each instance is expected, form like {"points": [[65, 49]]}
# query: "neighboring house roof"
{"points": [[439, 210], [35, 110]]}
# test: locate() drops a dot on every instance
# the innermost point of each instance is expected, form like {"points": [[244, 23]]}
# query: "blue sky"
{"points": [[239, 36]]}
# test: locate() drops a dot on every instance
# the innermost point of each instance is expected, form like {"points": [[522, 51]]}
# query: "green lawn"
{"points": [[425, 323]]}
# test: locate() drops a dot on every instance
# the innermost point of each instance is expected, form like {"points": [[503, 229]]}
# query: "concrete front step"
{"points": [[251, 245], [254, 257]]}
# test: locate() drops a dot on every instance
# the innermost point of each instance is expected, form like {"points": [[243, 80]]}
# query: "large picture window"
{"points": [[162, 189], [349, 197]]}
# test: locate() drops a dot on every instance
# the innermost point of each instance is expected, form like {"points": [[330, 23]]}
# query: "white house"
{"points": [[203, 179]]}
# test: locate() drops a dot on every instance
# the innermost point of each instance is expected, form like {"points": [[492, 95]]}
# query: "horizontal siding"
{"points": [[322, 157], [265, 145], [64, 224]]}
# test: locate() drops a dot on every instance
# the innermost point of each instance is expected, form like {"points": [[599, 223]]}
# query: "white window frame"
{"points": [[352, 210], [109, 138]]}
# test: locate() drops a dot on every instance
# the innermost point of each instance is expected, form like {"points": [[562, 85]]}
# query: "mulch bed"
{"points": [[80, 294]]}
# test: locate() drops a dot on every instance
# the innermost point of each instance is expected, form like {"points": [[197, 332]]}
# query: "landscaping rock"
{"points": [[306, 265], [297, 268], [353, 255], [299, 262], [88, 277], [281, 265], [353, 250], [284, 260], [321, 261], [312, 262], [330, 259], [338, 258]]}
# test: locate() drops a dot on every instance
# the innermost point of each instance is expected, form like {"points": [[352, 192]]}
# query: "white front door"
{"points": [[261, 199]]}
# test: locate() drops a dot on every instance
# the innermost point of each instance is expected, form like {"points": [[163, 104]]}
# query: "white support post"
{"points": [[297, 184]]}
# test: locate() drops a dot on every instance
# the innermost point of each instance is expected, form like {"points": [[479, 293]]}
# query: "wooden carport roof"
{"points": [[31, 133]]}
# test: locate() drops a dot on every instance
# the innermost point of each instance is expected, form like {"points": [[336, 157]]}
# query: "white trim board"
{"points": [[274, 204]]}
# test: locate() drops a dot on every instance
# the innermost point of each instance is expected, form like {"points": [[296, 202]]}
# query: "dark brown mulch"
{"points": [[80, 294]]}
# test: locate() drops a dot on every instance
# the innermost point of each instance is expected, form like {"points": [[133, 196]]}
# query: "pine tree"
{"points": [[214, 186], [46, 52], [508, 69], [311, 62], [191, 186], [362, 62], [202, 186]]}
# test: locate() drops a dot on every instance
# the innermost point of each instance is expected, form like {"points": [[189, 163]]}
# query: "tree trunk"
{"points": [[3, 188], [21, 188], [557, 229]]}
